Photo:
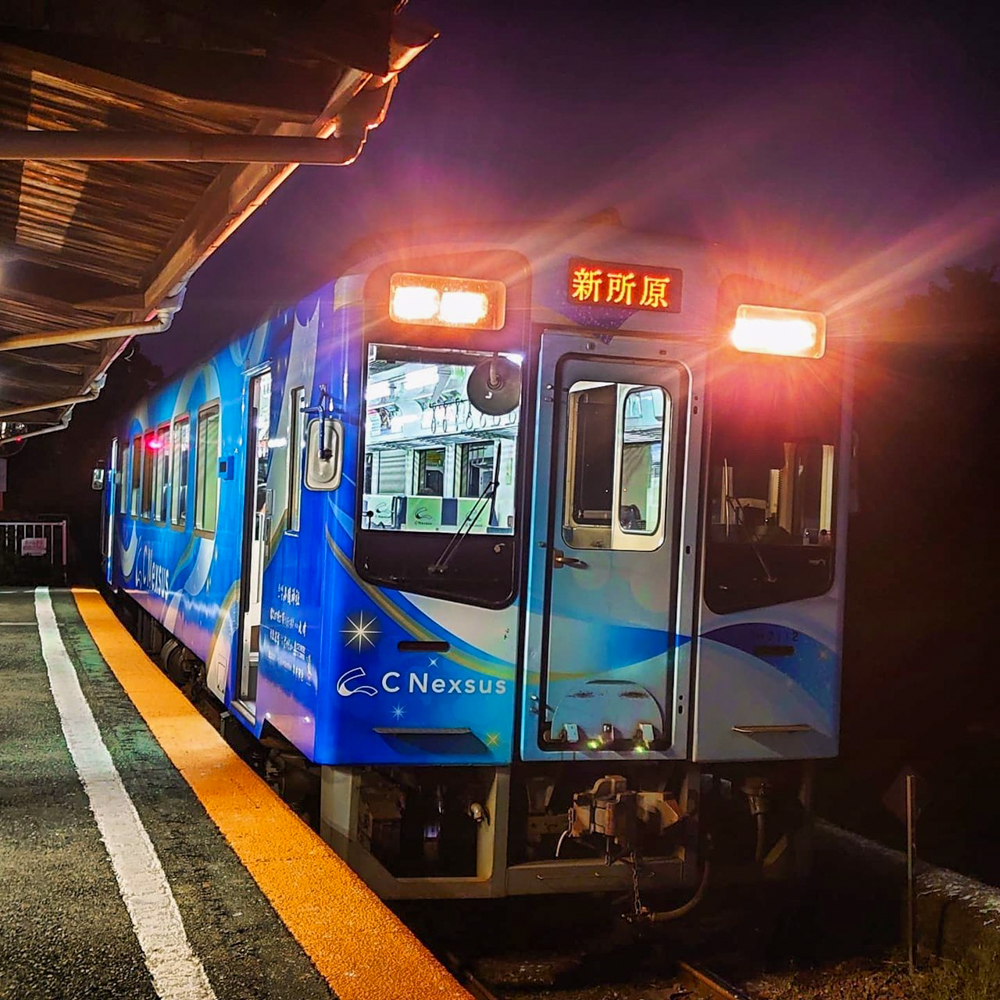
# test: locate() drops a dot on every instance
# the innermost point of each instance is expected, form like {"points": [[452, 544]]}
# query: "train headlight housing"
{"points": [[435, 300], [769, 330]]}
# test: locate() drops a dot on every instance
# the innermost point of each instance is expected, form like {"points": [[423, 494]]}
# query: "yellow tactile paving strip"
{"points": [[361, 948]]}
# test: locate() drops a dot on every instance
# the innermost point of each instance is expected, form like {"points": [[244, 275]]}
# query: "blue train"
{"points": [[530, 542]]}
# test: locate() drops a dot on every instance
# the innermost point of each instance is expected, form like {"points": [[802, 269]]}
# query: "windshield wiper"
{"points": [[737, 508], [489, 495]]}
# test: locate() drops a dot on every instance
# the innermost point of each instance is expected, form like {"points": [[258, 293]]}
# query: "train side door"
{"points": [[603, 566], [256, 532]]}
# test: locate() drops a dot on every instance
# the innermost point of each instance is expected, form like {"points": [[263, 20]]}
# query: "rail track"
{"points": [[701, 982], [690, 981]]}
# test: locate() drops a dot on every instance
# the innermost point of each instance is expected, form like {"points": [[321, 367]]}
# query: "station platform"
{"points": [[140, 857]]}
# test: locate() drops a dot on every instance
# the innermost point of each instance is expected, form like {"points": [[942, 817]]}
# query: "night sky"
{"points": [[860, 141]]}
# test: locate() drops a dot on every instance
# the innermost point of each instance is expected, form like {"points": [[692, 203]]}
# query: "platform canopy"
{"points": [[135, 137]]}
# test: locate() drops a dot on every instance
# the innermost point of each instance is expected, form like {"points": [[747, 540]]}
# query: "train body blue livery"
{"points": [[623, 560]]}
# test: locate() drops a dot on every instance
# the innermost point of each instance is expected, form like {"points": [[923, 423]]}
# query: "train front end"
{"points": [[585, 567]]}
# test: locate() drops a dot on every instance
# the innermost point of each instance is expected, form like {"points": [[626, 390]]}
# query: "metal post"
{"points": [[911, 886], [184, 147]]}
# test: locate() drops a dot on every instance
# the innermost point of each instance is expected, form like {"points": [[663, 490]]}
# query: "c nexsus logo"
{"points": [[392, 681], [354, 674]]}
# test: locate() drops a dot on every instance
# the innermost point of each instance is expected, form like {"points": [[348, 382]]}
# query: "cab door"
{"points": [[256, 536], [601, 640], [110, 508]]}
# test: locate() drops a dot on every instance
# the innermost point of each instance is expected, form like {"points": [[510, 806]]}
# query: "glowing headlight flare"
{"points": [[415, 303], [437, 300], [788, 332], [463, 308]]}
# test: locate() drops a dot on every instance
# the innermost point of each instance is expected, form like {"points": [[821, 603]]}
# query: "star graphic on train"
{"points": [[361, 631], [398, 712]]}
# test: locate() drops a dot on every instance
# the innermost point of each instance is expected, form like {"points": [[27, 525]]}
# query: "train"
{"points": [[526, 543]]}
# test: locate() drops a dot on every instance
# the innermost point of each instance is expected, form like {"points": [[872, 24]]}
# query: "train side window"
{"points": [[295, 453], [123, 491], [148, 456], [616, 441], [180, 441], [206, 487], [135, 484], [161, 474]]}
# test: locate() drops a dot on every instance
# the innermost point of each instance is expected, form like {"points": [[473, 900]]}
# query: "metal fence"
{"points": [[30, 549]]}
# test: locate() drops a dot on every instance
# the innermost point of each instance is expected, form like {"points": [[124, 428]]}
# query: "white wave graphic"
{"points": [[202, 564], [172, 612], [219, 661], [127, 554]]}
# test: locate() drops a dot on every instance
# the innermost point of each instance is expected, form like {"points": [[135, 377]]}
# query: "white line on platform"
{"points": [[32, 624], [177, 972]]}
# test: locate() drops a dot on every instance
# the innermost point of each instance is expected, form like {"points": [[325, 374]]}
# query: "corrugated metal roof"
{"points": [[86, 245]]}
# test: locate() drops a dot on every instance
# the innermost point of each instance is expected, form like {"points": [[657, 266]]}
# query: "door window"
{"points": [[615, 470], [430, 473], [296, 453], [640, 470], [477, 468]]}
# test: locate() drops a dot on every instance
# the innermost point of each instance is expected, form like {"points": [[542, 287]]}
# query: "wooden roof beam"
{"points": [[206, 81], [65, 285]]}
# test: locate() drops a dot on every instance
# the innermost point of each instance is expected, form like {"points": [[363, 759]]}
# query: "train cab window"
{"points": [[296, 450], [161, 474], [439, 471], [135, 482], [206, 487], [771, 524], [615, 477], [180, 441]]}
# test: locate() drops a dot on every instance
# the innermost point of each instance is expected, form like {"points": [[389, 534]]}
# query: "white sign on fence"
{"points": [[34, 546]]}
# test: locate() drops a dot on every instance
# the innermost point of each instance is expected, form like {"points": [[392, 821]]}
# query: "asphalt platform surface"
{"points": [[64, 928]]}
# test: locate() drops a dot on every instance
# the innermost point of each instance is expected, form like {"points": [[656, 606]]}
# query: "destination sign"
{"points": [[626, 286]]}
